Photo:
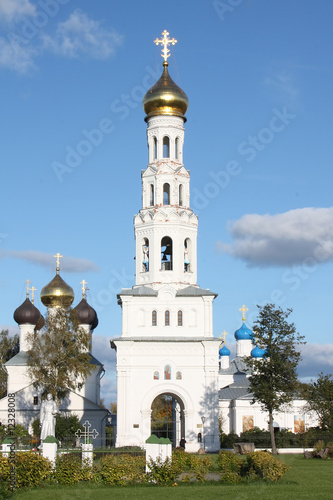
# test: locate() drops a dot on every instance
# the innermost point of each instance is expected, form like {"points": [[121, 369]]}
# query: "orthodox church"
{"points": [[167, 346], [84, 402]]}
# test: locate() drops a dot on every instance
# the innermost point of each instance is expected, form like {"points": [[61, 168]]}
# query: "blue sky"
{"points": [[259, 77]]}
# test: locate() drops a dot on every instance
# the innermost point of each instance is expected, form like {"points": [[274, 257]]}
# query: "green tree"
{"points": [[113, 407], [274, 378], [59, 359], [319, 397], [9, 346]]}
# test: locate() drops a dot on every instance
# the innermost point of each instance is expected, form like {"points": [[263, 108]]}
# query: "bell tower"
{"points": [[167, 346]]}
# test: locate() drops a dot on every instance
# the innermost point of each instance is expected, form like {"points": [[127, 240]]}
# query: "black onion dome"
{"points": [[27, 313], [40, 323], [85, 313], [94, 324]]}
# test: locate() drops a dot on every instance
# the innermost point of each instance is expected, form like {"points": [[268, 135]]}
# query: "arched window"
{"points": [[155, 148], [166, 147], [166, 194], [145, 255], [151, 195], [187, 255], [181, 195], [177, 142], [180, 318], [154, 318], [167, 318], [166, 254]]}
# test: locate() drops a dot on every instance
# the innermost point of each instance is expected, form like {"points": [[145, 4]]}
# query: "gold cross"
{"points": [[243, 309], [27, 282], [58, 256], [84, 288], [33, 289], [165, 41], [222, 336]]}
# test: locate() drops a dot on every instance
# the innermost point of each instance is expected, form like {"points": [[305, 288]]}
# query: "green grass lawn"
{"points": [[306, 479]]}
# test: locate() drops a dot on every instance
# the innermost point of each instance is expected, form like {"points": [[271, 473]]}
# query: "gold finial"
{"points": [[27, 282], [243, 309], [33, 289], [84, 288], [165, 41], [222, 336], [58, 256]]}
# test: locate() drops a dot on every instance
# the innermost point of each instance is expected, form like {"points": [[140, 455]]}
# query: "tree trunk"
{"points": [[271, 431]]}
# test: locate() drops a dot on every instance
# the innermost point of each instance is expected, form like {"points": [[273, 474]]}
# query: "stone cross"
{"points": [[87, 433]]}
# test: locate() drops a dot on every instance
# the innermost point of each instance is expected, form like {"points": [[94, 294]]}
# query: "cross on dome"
{"points": [[84, 288], [222, 336], [58, 256], [165, 41], [243, 310], [27, 282], [33, 290]]}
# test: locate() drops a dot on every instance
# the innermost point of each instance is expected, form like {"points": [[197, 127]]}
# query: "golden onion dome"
{"points": [[57, 293], [165, 97]]}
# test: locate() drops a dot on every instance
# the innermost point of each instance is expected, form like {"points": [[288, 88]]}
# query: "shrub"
{"points": [[31, 469], [120, 470], [163, 472], [263, 465], [231, 466], [68, 469]]}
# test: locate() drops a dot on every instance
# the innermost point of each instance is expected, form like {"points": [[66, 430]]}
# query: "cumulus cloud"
{"points": [[80, 35], [301, 236], [69, 264], [16, 57], [15, 9], [317, 358]]}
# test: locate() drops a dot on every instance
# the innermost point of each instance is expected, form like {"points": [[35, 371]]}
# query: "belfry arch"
{"points": [[168, 417]]}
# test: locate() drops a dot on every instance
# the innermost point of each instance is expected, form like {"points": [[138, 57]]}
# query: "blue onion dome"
{"points": [[244, 333], [257, 352], [224, 351], [85, 313], [27, 313]]}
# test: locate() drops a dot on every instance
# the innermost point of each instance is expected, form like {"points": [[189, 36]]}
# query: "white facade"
{"points": [[167, 344]]}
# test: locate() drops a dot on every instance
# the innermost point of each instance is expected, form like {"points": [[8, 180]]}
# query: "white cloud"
{"points": [[15, 56], [69, 264], [299, 236], [80, 35], [317, 358], [15, 9]]}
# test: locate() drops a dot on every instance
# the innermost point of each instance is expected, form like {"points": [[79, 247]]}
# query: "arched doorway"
{"points": [[168, 417]]}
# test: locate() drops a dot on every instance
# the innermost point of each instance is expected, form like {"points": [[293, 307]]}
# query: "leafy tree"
{"points": [[59, 359], [113, 407], [273, 380], [9, 346], [319, 397]]}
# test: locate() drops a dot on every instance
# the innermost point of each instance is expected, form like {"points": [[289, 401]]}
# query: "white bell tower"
{"points": [[167, 344]]}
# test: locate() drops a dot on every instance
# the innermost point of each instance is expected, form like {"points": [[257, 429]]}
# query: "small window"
{"points": [[166, 254], [166, 147], [177, 148], [35, 400], [180, 318], [155, 148], [180, 195], [167, 318], [145, 255], [166, 194], [154, 318], [151, 195]]}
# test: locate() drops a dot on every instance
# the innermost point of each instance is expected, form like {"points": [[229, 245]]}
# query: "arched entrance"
{"points": [[168, 417]]}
